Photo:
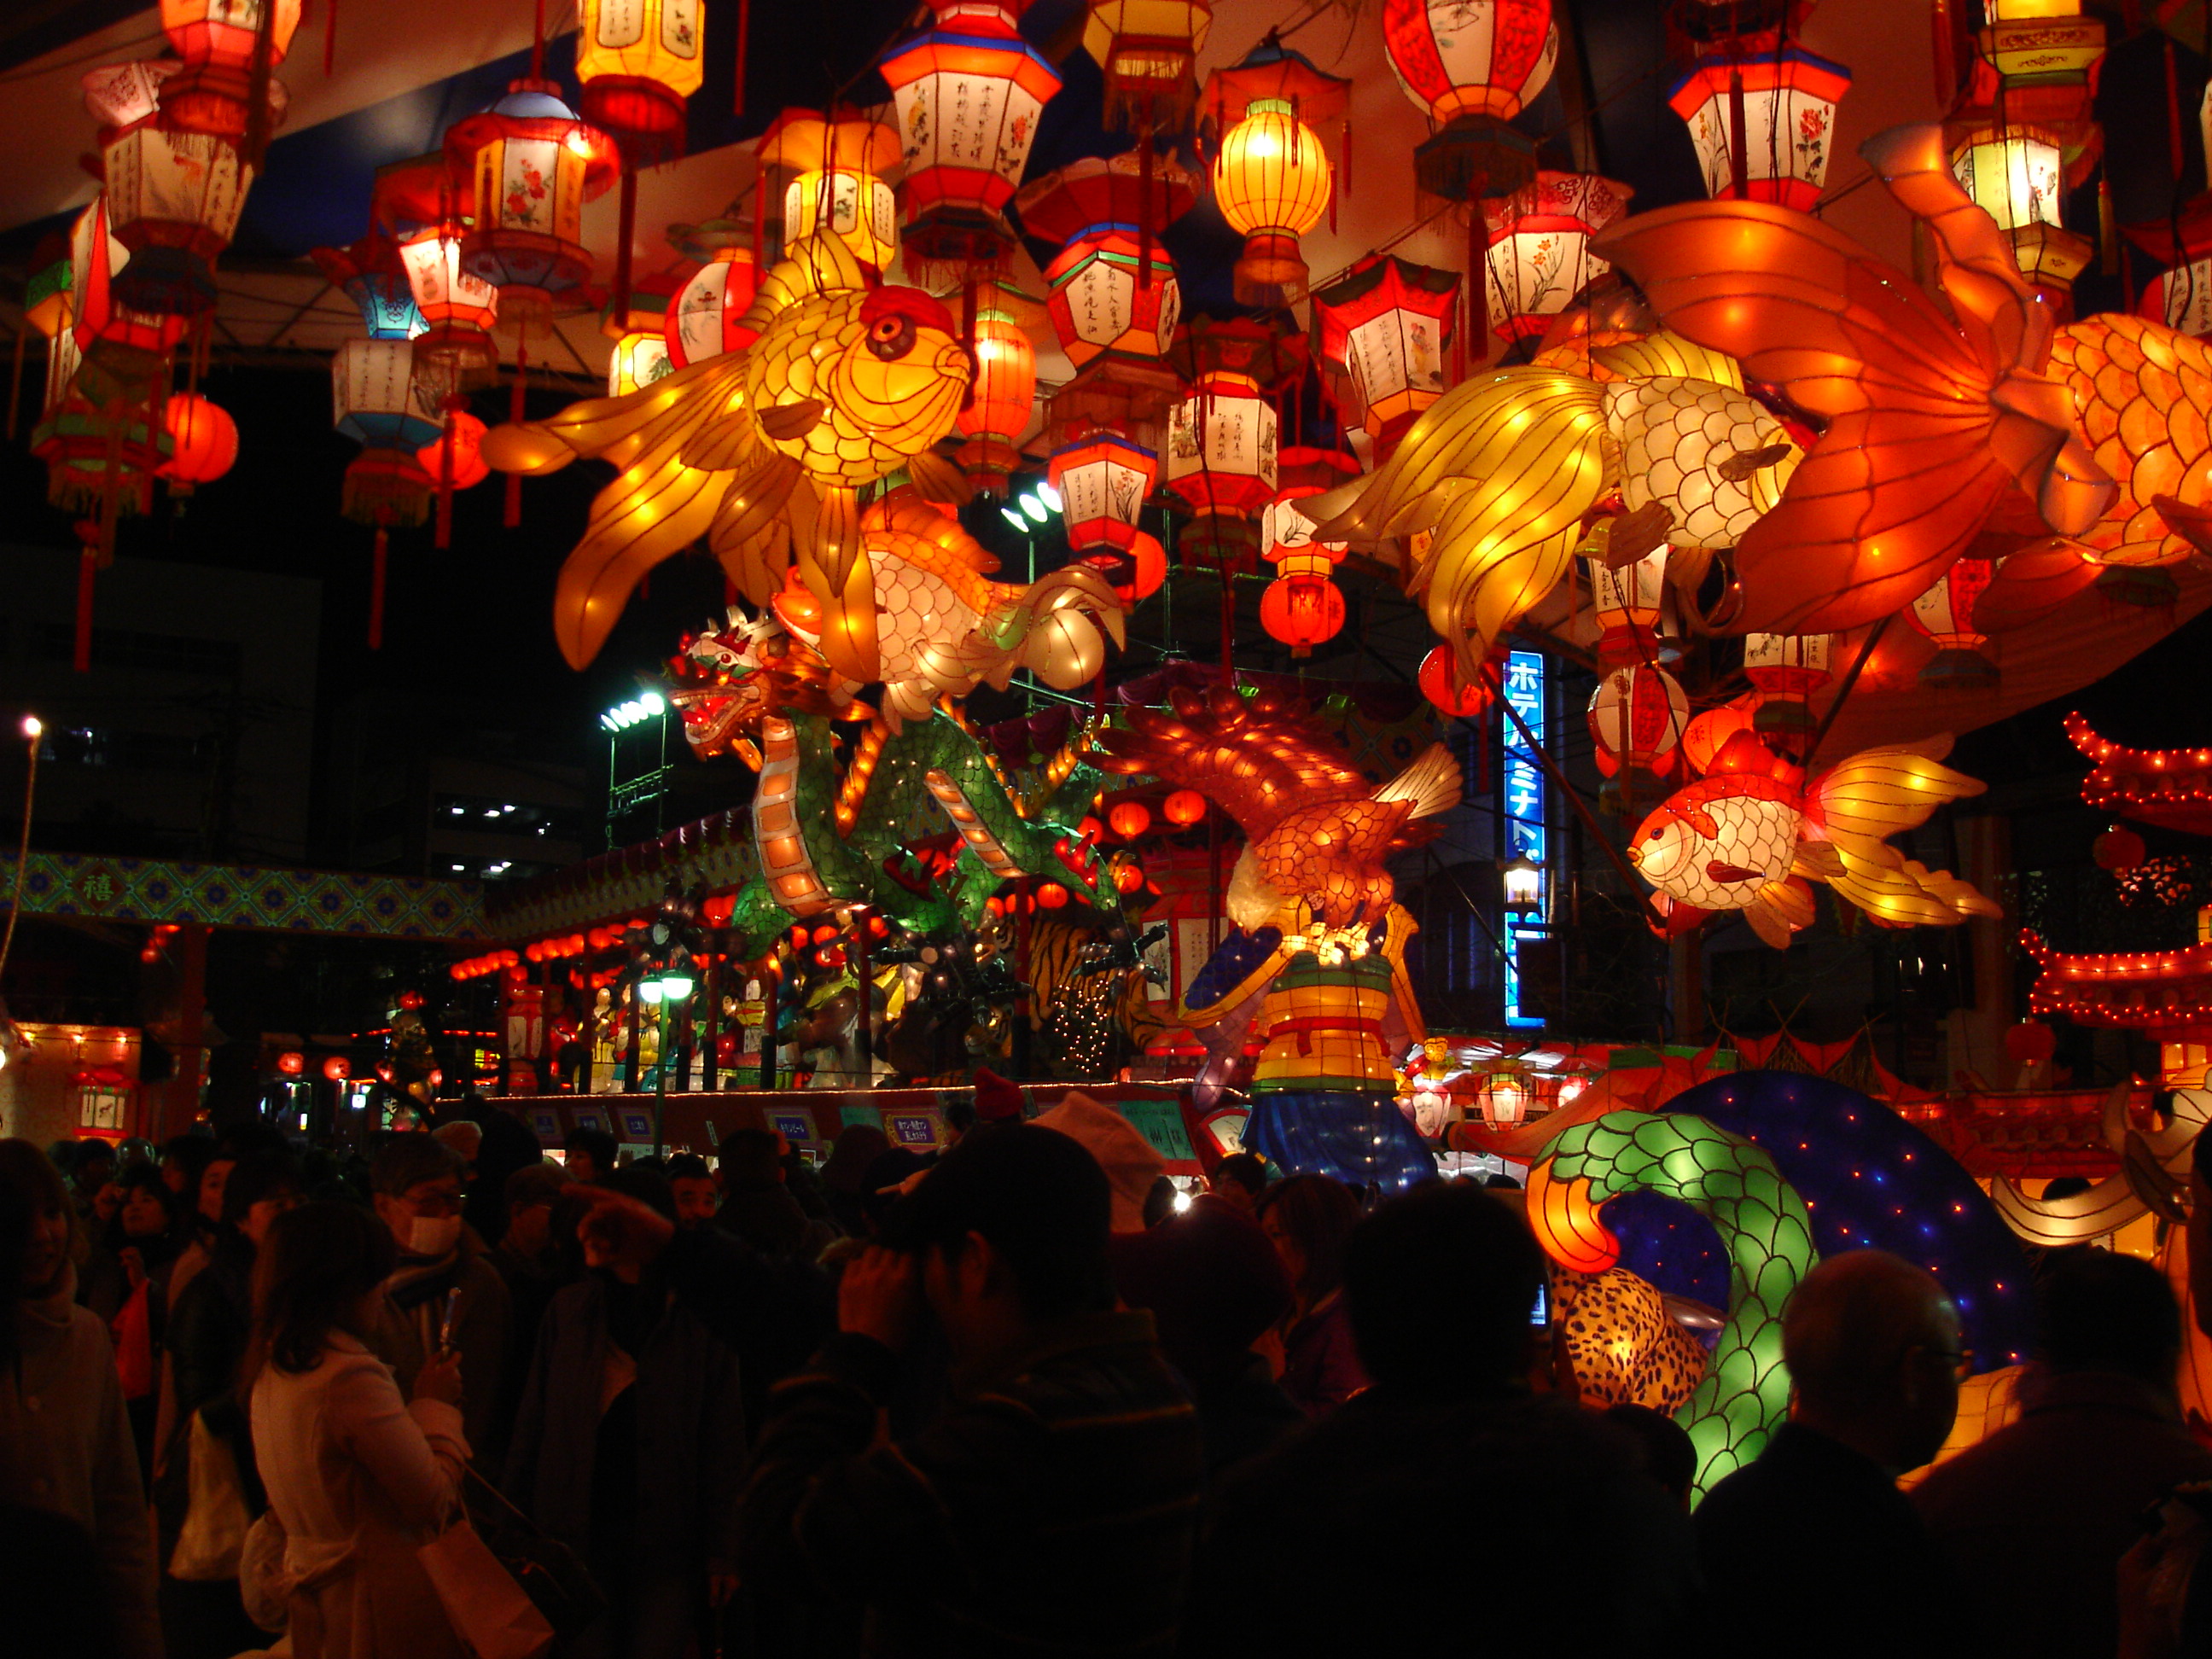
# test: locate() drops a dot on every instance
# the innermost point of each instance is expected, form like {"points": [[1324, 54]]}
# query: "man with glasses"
{"points": [[417, 1184], [1811, 1550]]}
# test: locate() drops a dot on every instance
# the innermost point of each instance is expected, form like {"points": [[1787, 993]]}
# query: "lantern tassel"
{"points": [[744, 40], [15, 381], [2108, 235], [625, 232], [378, 559], [1143, 219], [445, 537], [88, 566], [1478, 296], [330, 38], [513, 516], [257, 87], [1739, 145]]}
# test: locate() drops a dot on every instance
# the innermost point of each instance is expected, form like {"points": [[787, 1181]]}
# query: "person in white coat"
{"points": [[359, 1477], [65, 1446]]}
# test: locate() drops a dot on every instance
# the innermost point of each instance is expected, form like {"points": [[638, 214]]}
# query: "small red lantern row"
{"points": [[478, 967]]}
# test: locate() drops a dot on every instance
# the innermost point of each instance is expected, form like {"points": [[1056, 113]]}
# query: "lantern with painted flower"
{"points": [[173, 200], [1103, 479], [531, 163], [1005, 391], [1539, 256], [1222, 437], [2016, 175], [1303, 606], [638, 330], [838, 185], [1945, 613], [1763, 122], [1472, 65], [218, 40], [426, 207], [969, 92], [1387, 325], [1787, 669], [639, 61], [1272, 178], [707, 316]]}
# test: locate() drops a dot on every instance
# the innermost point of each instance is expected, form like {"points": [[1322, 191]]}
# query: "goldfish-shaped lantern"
{"points": [[1752, 832], [763, 451]]}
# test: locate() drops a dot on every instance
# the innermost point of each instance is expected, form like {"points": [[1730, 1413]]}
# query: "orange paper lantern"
{"points": [[206, 440], [1440, 684], [1004, 392], [466, 440], [1183, 808], [1052, 896], [1129, 820]]}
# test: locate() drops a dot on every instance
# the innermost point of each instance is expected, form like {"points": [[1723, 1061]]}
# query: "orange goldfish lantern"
{"points": [[1752, 833]]}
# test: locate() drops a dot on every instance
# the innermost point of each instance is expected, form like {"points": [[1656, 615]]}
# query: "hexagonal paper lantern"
{"points": [[969, 92], [1539, 258], [378, 400], [1103, 479], [1945, 613], [173, 200], [1627, 604], [1147, 51], [212, 91], [637, 360], [838, 185], [639, 61], [1221, 448], [370, 274], [1112, 291], [1778, 151], [98, 313], [1472, 65], [532, 163], [1787, 669], [2017, 175], [421, 203], [1388, 325]]}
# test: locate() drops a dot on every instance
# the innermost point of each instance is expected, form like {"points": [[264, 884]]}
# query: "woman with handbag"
{"points": [[360, 1480]]}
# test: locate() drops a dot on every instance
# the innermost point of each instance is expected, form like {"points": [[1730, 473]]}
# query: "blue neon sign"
{"points": [[1526, 834]]}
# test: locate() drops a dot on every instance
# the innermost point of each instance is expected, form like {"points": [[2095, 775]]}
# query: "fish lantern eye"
{"points": [[892, 336], [1657, 835]]}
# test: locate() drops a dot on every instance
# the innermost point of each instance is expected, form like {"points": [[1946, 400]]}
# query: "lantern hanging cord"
{"points": [[22, 850]]}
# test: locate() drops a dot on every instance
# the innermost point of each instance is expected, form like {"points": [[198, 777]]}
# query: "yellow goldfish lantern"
{"points": [[762, 451]]}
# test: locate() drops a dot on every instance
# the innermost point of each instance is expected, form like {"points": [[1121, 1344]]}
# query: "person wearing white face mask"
{"points": [[417, 1181]]}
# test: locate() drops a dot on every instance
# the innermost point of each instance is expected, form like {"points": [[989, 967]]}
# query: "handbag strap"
{"points": [[503, 1500]]}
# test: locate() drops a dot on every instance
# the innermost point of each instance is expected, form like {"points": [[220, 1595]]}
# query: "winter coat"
{"points": [[690, 1425], [65, 1446], [407, 1333], [360, 1480]]}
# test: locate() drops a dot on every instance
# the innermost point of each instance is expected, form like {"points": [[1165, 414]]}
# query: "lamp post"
{"points": [[660, 988], [1522, 879]]}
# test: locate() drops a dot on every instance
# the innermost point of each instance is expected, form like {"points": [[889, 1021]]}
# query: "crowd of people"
{"points": [[1018, 1397]]}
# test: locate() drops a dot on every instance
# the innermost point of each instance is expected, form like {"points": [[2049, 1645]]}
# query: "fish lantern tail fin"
{"points": [[1874, 794]]}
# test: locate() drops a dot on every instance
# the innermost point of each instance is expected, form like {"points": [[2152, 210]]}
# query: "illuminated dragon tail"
{"points": [[1501, 471], [1854, 809]]}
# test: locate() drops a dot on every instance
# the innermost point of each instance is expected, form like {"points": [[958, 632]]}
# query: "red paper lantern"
{"points": [[1788, 98], [1004, 394], [706, 317], [1638, 717], [1787, 668], [337, 1069], [1112, 291], [1539, 258], [1183, 808], [291, 1063], [212, 91], [1129, 820], [2117, 850], [1128, 876], [465, 439], [1440, 683], [2031, 1042], [1945, 613], [1103, 479], [1472, 65], [1052, 896], [206, 440]]}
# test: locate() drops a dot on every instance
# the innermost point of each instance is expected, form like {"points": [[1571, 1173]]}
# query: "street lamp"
{"points": [[1524, 882], [661, 988]]}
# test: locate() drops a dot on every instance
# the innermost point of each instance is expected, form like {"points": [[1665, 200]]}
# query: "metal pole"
{"points": [[661, 1081]]}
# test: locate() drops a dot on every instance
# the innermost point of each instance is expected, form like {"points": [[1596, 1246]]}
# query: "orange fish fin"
{"points": [[1817, 860], [1783, 908]]}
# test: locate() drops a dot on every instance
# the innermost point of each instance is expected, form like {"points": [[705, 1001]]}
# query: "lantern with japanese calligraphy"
{"points": [[1303, 606], [1221, 460], [1147, 50], [1103, 479], [638, 61], [174, 199], [380, 401], [1625, 603], [706, 317], [532, 163], [1272, 178], [1388, 325], [1539, 256], [2016, 175], [838, 186], [371, 274], [219, 41], [1004, 394], [1636, 717], [1945, 613], [1472, 65], [1113, 292], [969, 92], [1787, 669], [1763, 123]]}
